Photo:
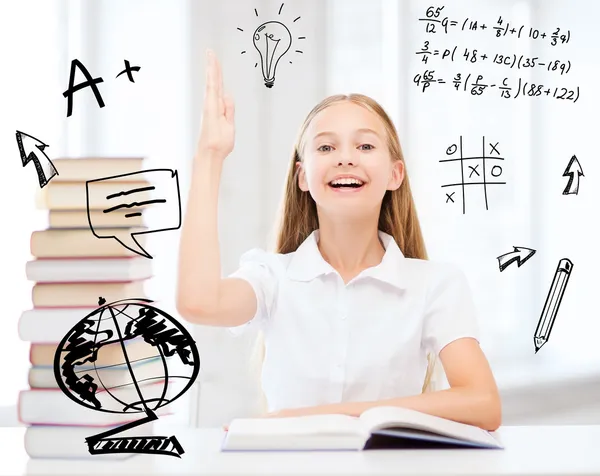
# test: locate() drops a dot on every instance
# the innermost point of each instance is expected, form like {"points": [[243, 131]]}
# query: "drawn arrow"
{"points": [[45, 168], [574, 171], [520, 255]]}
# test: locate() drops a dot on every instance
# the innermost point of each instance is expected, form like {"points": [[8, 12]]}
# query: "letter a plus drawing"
{"points": [[91, 83]]}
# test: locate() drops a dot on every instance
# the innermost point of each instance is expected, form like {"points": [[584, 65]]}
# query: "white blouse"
{"points": [[330, 342]]}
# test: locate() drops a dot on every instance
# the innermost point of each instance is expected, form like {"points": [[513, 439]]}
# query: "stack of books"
{"points": [[72, 268]]}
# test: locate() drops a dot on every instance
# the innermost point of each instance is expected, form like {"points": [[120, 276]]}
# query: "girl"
{"points": [[348, 304]]}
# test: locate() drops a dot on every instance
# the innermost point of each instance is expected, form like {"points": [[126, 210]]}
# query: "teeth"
{"points": [[346, 181]]}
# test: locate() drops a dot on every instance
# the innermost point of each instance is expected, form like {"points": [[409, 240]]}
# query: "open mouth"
{"points": [[346, 185]]}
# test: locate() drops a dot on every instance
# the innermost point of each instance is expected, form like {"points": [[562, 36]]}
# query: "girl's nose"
{"points": [[347, 155], [346, 159]]}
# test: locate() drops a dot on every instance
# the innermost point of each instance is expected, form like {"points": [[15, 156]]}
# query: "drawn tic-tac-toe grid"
{"points": [[482, 171]]}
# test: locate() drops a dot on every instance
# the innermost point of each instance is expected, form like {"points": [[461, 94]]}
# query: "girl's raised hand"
{"points": [[217, 131]]}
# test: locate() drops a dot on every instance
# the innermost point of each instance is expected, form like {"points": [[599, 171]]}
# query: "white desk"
{"points": [[539, 450]]}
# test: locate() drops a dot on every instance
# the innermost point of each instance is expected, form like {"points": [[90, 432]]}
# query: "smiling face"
{"points": [[346, 139]]}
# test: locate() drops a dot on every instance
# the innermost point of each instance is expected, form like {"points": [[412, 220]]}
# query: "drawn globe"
{"points": [[126, 357]]}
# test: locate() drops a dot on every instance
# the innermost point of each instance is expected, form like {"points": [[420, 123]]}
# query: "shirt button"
{"points": [[343, 316]]}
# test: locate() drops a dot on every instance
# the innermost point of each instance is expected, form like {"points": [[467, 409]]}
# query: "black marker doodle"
{"points": [[127, 199], [520, 255], [473, 56], [573, 171], [45, 168], [90, 83], [477, 88], [475, 176], [433, 19], [553, 300], [110, 324], [128, 69], [511, 60], [272, 40]]}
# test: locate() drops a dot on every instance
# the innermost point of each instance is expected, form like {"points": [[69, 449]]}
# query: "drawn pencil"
{"points": [[553, 300]]}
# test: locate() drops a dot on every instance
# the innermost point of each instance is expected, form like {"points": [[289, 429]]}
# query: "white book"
{"points": [[50, 325], [43, 441], [377, 428], [113, 376], [88, 270], [52, 407]]}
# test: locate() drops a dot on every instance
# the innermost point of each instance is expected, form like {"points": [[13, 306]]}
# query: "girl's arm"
{"points": [[203, 297], [472, 398], [199, 258]]}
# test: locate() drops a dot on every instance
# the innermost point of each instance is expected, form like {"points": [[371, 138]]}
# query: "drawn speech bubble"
{"points": [[127, 196]]}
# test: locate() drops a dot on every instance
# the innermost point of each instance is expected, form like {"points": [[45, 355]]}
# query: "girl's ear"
{"points": [[397, 175], [301, 177]]}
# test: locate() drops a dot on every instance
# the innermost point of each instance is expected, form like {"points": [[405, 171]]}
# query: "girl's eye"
{"points": [[371, 147]]}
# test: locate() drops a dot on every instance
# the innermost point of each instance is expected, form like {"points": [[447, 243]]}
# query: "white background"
{"points": [[350, 46]]}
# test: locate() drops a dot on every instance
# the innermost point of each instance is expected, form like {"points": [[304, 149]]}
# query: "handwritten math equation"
{"points": [[510, 60], [477, 87], [434, 23], [475, 82]]}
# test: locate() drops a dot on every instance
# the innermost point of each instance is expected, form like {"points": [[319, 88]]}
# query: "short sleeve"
{"points": [[257, 267], [450, 312]]}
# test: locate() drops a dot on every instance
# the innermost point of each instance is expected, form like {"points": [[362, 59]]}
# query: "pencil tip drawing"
{"points": [[573, 171], [520, 255], [79, 373], [552, 304], [272, 40], [44, 167]]}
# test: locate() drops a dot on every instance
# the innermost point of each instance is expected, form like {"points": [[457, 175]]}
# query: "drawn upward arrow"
{"points": [[520, 255], [574, 171], [44, 167]]}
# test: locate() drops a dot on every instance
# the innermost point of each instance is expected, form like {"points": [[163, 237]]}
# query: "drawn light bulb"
{"points": [[272, 40]]}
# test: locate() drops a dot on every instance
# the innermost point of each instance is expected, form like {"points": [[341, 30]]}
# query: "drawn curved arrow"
{"points": [[520, 255], [45, 168]]}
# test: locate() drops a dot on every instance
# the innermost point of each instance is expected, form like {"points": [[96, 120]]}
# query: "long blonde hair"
{"points": [[297, 215]]}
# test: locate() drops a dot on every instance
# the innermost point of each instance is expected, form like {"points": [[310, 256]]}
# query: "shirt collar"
{"points": [[307, 262]]}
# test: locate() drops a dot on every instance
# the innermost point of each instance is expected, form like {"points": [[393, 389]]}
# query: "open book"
{"points": [[377, 428]]}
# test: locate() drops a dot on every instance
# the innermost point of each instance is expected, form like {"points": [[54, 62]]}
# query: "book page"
{"points": [[302, 426], [387, 417]]}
